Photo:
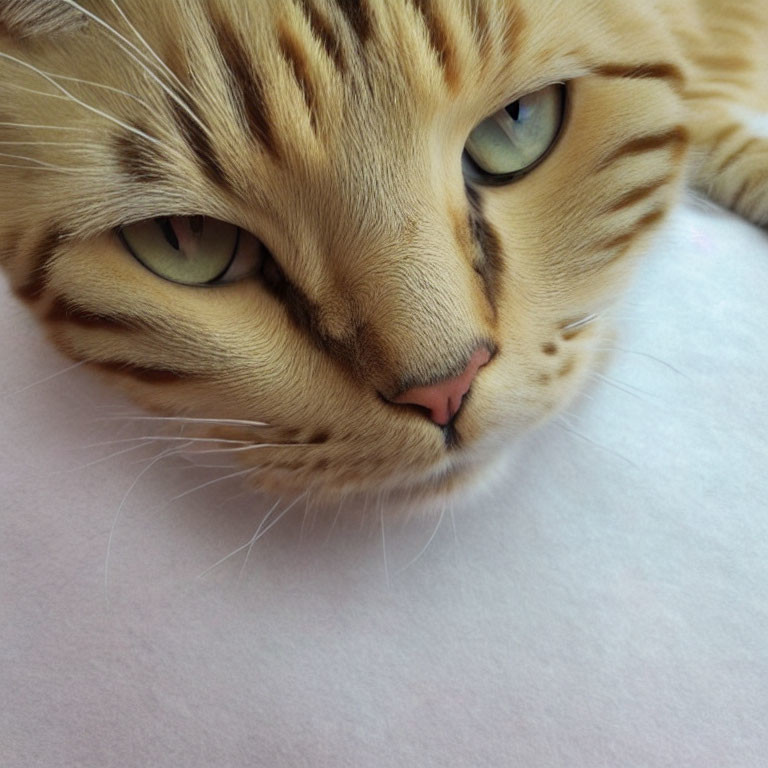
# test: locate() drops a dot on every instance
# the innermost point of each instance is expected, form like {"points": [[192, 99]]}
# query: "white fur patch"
{"points": [[755, 122]]}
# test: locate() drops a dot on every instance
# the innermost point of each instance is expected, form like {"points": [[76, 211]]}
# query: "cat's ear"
{"points": [[24, 19]]}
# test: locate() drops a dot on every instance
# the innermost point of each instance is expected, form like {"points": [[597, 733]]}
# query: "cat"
{"points": [[362, 244]]}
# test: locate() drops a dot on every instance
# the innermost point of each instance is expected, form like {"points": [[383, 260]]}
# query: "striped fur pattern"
{"points": [[333, 130]]}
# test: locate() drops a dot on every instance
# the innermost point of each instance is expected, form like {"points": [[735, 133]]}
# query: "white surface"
{"points": [[606, 604]]}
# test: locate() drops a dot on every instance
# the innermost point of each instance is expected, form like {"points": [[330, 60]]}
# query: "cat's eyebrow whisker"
{"points": [[103, 86], [80, 102], [168, 71], [169, 91]]}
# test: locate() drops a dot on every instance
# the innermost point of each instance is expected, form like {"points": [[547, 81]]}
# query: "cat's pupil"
{"points": [[513, 110], [168, 233], [196, 224]]}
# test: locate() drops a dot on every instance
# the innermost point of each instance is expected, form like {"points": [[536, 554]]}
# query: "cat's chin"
{"points": [[467, 475]]}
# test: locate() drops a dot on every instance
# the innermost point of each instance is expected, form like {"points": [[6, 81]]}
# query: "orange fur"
{"points": [[334, 131]]}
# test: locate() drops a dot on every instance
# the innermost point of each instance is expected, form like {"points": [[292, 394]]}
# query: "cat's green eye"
{"points": [[514, 140], [194, 250]]}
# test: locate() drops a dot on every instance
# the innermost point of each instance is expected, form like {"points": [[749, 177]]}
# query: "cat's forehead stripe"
{"points": [[137, 157], [199, 143], [247, 91], [323, 31], [656, 70], [358, 17], [440, 40], [295, 56]]}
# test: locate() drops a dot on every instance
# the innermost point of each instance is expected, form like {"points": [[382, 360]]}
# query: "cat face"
{"points": [[388, 272]]}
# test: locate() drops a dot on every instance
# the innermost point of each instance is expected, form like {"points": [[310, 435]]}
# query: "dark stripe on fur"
{"points": [[725, 62], [323, 31], [358, 16], [358, 351], [490, 265], [638, 194], [737, 153], [64, 310], [677, 136], [440, 41], [294, 54], [200, 145], [726, 133], [655, 70], [34, 285], [145, 374], [643, 223], [742, 192], [138, 158], [245, 84]]}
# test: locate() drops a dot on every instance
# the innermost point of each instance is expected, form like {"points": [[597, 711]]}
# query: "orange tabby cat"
{"points": [[387, 231]]}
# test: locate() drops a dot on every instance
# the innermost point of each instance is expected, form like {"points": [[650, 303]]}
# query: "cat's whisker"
{"points": [[38, 168], [335, 518], [167, 438], [452, 513], [163, 66], [231, 476], [79, 144], [563, 424], [429, 542], [646, 355], [188, 419], [208, 466], [102, 459], [249, 447], [102, 86], [80, 102], [256, 536], [41, 381], [78, 129], [249, 544], [621, 386], [170, 92], [384, 542], [121, 506], [40, 164]]}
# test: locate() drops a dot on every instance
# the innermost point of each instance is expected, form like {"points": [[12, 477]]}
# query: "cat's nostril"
{"points": [[443, 400]]}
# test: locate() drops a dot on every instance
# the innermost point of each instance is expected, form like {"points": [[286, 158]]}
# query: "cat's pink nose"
{"points": [[443, 400]]}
